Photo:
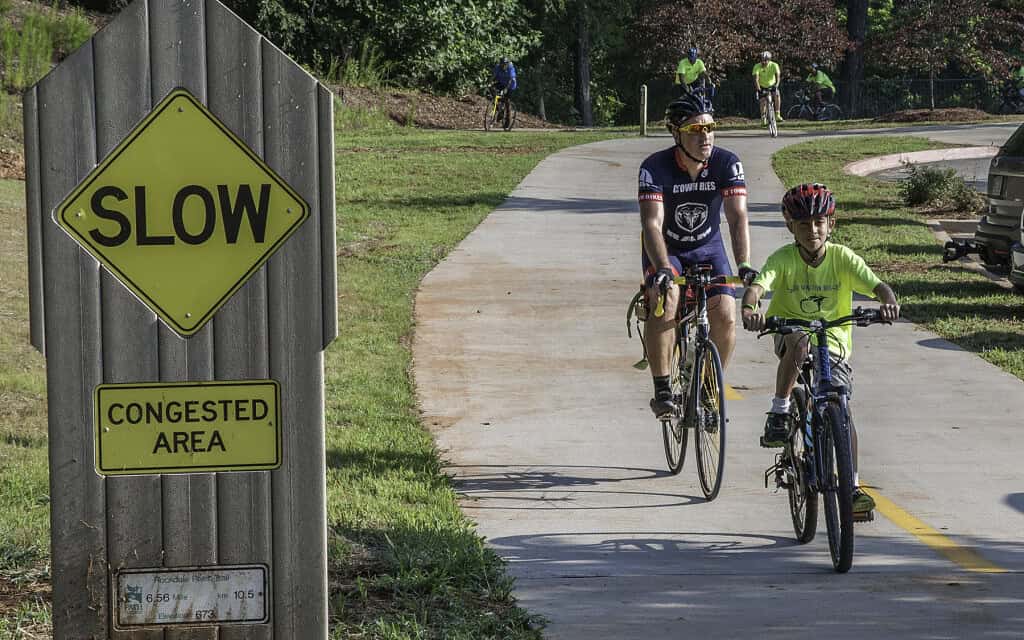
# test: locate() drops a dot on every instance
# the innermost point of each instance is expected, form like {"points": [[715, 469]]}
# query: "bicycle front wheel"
{"points": [[708, 410], [490, 115], [837, 486], [773, 127], [794, 112], [674, 432], [803, 503]]}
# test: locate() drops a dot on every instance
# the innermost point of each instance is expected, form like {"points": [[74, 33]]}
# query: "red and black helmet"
{"points": [[810, 200]]}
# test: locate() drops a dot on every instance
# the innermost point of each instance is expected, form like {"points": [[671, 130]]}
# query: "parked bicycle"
{"points": [[817, 460], [696, 379], [806, 109], [773, 127], [499, 112], [1012, 101]]}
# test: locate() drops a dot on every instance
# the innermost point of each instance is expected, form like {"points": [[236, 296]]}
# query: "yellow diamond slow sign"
{"points": [[182, 212]]}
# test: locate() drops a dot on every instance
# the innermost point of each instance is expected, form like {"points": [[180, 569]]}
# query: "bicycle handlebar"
{"points": [[698, 278], [861, 317]]}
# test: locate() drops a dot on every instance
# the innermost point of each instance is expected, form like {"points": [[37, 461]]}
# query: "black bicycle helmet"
{"points": [[687, 106], [810, 200]]}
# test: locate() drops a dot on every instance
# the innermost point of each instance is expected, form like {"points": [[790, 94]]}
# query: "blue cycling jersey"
{"points": [[693, 207], [506, 78]]}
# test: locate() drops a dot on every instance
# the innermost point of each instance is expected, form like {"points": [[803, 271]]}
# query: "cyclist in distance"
{"points": [[683, 191], [504, 74], [809, 280], [767, 75], [821, 85], [689, 71], [1018, 80]]}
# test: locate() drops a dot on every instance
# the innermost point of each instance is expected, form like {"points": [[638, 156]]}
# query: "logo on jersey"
{"points": [[704, 173], [691, 216], [646, 180], [737, 171], [812, 304]]}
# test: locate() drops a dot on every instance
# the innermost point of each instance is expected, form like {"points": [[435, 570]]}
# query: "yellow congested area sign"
{"points": [[182, 212], [187, 427]]}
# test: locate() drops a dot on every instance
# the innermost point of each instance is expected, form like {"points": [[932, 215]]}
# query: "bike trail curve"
{"points": [[522, 367]]}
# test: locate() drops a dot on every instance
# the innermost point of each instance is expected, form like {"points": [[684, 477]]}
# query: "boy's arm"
{"points": [[889, 307], [753, 319]]}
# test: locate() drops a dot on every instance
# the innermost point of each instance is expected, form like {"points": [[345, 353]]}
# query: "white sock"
{"points": [[779, 405]]}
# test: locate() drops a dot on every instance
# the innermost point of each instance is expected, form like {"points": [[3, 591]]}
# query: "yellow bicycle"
{"points": [[499, 112]]}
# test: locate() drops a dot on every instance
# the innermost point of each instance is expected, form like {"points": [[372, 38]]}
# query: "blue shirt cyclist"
{"points": [[505, 76]]}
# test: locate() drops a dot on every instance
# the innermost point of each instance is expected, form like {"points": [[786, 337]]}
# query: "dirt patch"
{"points": [[12, 164], [430, 111], [933, 115]]}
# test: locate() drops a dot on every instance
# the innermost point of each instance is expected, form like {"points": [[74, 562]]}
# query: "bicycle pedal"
{"points": [[863, 516], [769, 446]]}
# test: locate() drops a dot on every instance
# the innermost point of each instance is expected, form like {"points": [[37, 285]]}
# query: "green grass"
{"points": [[957, 304], [32, 41], [404, 561]]}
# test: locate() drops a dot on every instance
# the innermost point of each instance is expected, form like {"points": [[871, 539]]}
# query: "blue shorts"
{"points": [[713, 254]]}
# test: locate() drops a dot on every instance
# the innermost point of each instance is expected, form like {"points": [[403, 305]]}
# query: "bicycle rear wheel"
{"points": [[674, 432], [830, 112], [510, 116], [837, 486], [708, 410], [803, 503]]}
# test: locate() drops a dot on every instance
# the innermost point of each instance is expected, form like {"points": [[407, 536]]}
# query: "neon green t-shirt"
{"points": [[821, 80], [826, 291], [690, 72], [767, 74], [1019, 76]]}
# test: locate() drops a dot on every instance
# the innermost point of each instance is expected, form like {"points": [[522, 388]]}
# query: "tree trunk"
{"points": [[853, 65], [582, 59]]}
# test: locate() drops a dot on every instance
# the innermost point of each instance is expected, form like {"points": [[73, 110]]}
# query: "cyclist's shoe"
{"points": [[776, 430], [764, 121], [663, 406], [778, 117], [862, 502]]}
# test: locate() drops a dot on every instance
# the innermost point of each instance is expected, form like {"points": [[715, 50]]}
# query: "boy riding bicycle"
{"points": [[812, 279]]}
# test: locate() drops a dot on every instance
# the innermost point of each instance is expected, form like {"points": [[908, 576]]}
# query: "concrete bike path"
{"points": [[523, 372]]}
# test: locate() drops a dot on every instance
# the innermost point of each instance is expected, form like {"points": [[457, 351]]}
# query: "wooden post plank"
{"points": [[178, 59], [328, 234], [67, 142], [129, 328], [34, 221], [234, 89], [296, 359]]}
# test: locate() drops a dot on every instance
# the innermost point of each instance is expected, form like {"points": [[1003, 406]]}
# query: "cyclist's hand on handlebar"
{"points": [[663, 279], [889, 312], [747, 274], [753, 320]]}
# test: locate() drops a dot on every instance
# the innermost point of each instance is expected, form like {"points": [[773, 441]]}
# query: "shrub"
{"points": [[938, 187]]}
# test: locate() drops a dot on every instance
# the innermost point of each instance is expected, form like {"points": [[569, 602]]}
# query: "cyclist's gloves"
{"points": [[747, 273], [663, 278]]}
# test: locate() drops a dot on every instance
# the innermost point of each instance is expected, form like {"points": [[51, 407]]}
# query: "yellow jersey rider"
{"points": [[767, 75]]}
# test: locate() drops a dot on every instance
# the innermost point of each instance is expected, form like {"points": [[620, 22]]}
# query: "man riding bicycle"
{"points": [[767, 76], [504, 74], [689, 71], [812, 279], [693, 181], [821, 86]]}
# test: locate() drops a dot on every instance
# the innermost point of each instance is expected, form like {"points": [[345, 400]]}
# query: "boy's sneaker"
{"points": [[662, 406], [862, 502], [776, 430]]}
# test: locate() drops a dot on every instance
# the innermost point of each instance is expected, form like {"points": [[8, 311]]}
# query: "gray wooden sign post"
{"points": [[180, 201]]}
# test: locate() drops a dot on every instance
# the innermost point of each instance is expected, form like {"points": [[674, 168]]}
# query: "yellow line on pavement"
{"points": [[966, 558], [732, 394]]}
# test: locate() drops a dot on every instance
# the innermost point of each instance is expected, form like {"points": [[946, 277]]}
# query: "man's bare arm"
{"points": [[739, 229], [652, 217]]}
